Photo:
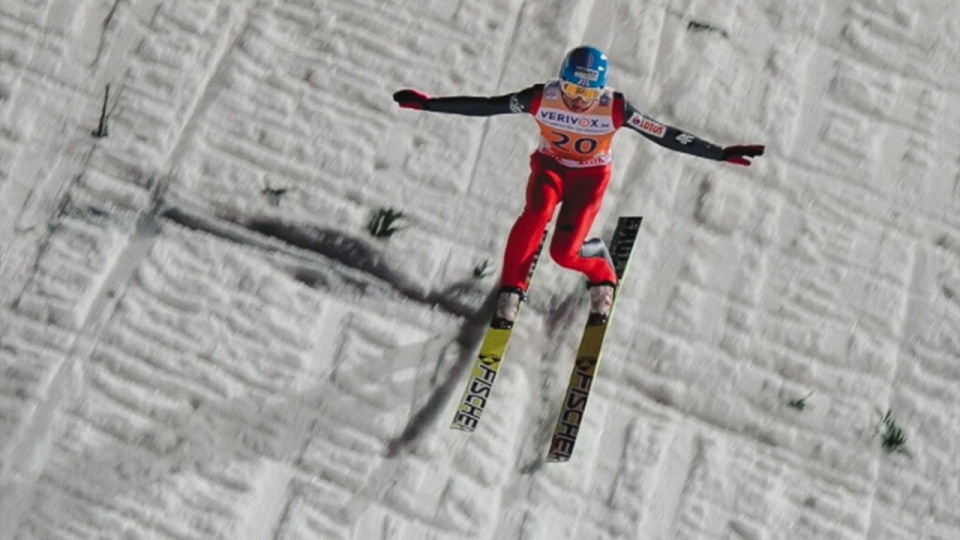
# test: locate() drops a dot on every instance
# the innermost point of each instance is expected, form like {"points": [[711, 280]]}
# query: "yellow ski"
{"points": [[486, 367], [588, 354]]}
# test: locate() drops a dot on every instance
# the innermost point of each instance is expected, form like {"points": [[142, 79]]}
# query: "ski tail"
{"points": [[588, 354], [487, 366]]}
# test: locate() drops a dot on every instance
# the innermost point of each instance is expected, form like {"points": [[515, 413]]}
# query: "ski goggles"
{"points": [[586, 93]]}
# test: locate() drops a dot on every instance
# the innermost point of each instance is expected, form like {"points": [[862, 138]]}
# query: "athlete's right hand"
{"points": [[411, 99]]}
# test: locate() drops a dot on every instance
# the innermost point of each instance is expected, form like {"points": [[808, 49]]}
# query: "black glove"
{"points": [[411, 99], [738, 154]]}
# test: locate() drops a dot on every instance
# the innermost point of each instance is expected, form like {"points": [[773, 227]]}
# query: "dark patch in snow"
{"points": [[469, 338], [700, 213], [461, 298], [698, 26], [329, 243]]}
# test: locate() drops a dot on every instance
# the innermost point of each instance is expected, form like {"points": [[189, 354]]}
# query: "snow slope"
{"points": [[199, 339]]}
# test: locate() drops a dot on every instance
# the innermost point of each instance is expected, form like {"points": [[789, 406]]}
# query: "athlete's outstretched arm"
{"points": [[524, 101], [681, 141]]}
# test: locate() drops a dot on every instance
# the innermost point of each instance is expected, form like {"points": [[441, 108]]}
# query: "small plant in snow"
{"points": [[891, 435], [800, 404], [274, 195], [481, 270], [383, 222]]}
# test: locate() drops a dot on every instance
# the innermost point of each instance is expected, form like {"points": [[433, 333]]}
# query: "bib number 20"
{"points": [[583, 145]]}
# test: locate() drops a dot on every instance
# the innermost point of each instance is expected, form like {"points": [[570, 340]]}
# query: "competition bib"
{"points": [[575, 139]]}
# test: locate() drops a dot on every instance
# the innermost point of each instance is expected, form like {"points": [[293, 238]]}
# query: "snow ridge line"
{"points": [[205, 96], [514, 37], [24, 449]]}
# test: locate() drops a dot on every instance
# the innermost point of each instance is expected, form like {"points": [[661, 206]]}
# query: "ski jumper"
{"points": [[571, 168]]}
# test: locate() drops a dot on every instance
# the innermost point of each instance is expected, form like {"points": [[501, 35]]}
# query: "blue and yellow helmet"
{"points": [[585, 66]]}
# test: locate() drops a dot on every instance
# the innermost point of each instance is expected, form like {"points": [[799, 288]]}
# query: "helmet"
{"points": [[585, 66]]}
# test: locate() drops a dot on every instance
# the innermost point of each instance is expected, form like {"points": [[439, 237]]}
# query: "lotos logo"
{"points": [[647, 126]]}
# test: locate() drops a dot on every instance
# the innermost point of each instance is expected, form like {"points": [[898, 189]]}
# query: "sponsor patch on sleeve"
{"points": [[647, 126]]}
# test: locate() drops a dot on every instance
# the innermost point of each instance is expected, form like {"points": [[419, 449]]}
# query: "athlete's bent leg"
{"points": [[544, 192], [581, 204]]}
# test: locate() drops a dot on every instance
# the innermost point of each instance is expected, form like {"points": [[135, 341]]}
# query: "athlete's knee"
{"points": [[563, 253]]}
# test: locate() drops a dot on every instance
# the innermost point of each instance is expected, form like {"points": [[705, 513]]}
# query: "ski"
{"points": [[588, 353], [487, 366]]}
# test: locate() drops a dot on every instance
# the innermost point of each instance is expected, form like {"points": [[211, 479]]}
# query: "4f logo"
{"points": [[685, 138], [515, 105]]}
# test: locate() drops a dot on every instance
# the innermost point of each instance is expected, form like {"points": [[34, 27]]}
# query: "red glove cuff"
{"points": [[411, 99]]}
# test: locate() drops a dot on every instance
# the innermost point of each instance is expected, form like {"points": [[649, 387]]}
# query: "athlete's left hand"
{"points": [[738, 154], [411, 99]]}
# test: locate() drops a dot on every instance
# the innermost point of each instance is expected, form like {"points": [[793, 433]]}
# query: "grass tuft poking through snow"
{"points": [[482, 270], [800, 404], [892, 439], [383, 223], [274, 195]]}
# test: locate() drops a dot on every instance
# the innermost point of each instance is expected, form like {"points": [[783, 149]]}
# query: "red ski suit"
{"points": [[579, 192], [571, 169]]}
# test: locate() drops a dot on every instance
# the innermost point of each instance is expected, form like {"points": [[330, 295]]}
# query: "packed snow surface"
{"points": [[199, 338]]}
